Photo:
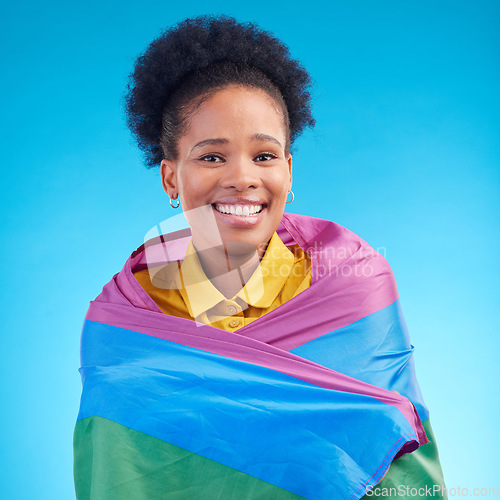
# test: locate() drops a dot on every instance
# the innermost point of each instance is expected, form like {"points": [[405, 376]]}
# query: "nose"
{"points": [[240, 174]]}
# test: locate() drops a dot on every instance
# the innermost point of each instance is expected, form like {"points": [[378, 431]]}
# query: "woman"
{"points": [[257, 354]]}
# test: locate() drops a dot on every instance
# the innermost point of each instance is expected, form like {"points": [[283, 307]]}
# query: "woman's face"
{"points": [[232, 167]]}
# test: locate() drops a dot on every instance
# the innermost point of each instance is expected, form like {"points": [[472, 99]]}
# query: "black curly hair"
{"points": [[189, 62]]}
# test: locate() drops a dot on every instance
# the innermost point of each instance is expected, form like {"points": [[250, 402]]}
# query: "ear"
{"points": [[289, 161], [168, 171]]}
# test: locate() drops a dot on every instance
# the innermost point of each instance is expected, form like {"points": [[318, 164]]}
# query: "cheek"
{"points": [[279, 198], [186, 193], [187, 183], [281, 184], [195, 188]]}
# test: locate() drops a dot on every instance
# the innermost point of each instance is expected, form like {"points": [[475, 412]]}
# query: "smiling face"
{"points": [[232, 165]]}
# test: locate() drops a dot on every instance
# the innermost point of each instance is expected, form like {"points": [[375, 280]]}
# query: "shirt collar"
{"points": [[261, 289]]}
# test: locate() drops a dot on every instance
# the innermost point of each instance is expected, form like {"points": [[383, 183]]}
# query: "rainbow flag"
{"points": [[297, 404]]}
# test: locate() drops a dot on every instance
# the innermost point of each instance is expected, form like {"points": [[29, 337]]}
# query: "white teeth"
{"points": [[239, 210]]}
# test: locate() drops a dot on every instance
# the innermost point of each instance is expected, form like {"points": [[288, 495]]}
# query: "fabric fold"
{"points": [[286, 401]]}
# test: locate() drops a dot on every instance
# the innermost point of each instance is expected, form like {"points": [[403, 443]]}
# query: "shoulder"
{"points": [[164, 277], [341, 260], [329, 242]]}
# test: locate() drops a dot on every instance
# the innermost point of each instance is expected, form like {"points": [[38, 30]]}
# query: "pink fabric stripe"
{"points": [[359, 281], [349, 281]]}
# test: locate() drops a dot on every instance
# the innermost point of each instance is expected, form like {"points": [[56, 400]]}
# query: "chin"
{"points": [[245, 244]]}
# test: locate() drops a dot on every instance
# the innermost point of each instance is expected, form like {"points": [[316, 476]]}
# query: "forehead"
{"points": [[237, 110]]}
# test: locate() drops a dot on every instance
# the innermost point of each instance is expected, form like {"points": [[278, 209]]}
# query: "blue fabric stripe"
{"points": [[251, 418], [375, 349]]}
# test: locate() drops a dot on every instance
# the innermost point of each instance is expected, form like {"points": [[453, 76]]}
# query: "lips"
{"points": [[240, 207], [241, 212]]}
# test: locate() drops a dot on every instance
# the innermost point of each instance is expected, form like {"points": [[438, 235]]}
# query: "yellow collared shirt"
{"points": [[183, 289]]}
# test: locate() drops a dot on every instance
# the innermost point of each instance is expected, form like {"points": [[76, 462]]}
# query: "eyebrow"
{"points": [[266, 138], [209, 142], [255, 137]]}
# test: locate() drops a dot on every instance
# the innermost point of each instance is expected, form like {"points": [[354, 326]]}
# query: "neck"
{"points": [[229, 266]]}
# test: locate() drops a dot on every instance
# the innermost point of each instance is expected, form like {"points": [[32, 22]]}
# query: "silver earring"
{"points": [[293, 196], [175, 206]]}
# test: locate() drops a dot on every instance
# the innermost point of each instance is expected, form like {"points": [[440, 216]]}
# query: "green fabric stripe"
{"points": [[419, 469], [113, 462]]}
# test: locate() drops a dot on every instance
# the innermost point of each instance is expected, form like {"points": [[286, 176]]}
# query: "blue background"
{"points": [[405, 153]]}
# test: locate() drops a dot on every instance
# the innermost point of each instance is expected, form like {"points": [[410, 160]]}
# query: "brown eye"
{"points": [[211, 159], [265, 157]]}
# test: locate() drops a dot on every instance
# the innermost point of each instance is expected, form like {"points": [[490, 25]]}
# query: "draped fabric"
{"points": [[300, 403]]}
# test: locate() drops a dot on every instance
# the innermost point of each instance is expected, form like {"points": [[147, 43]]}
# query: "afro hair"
{"points": [[198, 45]]}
